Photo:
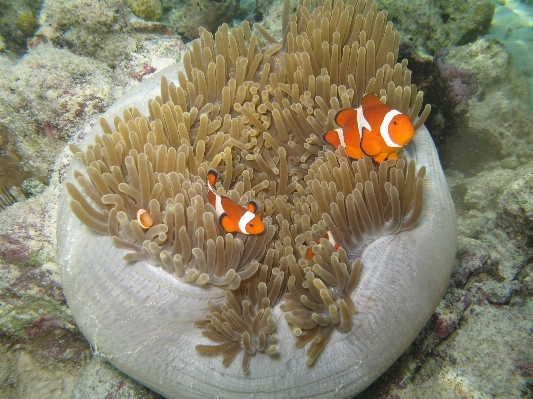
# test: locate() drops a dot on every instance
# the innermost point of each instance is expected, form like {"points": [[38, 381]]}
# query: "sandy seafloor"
{"points": [[479, 342]]}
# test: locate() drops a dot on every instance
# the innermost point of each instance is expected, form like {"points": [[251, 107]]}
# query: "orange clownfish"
{"points": [[309, 255], [372, 129], [232, 217]]}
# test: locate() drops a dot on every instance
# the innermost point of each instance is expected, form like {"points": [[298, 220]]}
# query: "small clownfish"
{"points": [[372, 129], [145, 219], [232, 217], [309, 255]]}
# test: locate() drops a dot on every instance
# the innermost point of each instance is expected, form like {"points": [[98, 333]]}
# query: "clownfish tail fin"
{"points": [[332, 137], [212, 177], [222, 217]]}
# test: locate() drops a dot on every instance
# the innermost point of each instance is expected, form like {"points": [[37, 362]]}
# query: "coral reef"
{"points": [[431, 25], [146, 9]]}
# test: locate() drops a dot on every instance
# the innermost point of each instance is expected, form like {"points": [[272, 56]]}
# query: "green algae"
{"points": [[26, 23]]}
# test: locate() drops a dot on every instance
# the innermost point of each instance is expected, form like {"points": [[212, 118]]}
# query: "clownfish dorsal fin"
{"points": [[370, 100], [346, 117], [252, 207], [212, 176]]}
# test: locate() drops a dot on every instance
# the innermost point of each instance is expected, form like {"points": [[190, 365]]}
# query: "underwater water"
{"points": [[64, 63]]}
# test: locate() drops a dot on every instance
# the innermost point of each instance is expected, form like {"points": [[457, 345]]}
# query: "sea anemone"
{"points": [[254, 110]]}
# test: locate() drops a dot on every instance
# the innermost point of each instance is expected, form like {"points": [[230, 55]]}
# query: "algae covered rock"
{"points": [[97, 29], [26, 23], [18, 23], [145, 9], [45, 96], [465, 21], [430, 25], [185, 17]]}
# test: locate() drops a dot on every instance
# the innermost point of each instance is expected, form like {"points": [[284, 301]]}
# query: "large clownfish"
{"points": [[309, 255], [372, 129], [232, 217]]}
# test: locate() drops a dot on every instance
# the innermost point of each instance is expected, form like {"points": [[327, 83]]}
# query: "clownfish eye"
{"points": [[395, 122], [251, 225]]}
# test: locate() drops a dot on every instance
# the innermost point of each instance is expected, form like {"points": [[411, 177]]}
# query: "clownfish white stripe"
{"points": [[219, 210], [362, 123], [340, 132], [331, 239], [384, 128], [244, 220]]}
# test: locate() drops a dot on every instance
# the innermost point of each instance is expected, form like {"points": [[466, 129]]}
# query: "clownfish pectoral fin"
{"points": [[381, 157], [212, 176], [392, 155], [252, 207], [332, 137], [227, 224], [370, 144], [346, 117], [354, 152]]}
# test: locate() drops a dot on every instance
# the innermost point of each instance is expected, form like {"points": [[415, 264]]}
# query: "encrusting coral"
{"points": [[255, 110]]}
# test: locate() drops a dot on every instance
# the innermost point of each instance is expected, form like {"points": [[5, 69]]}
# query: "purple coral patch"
{"points": [[458, 84]]}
